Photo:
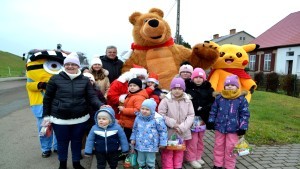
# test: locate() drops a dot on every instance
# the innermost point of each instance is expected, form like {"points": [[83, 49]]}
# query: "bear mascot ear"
{"points": [[157, 11], [133, 17]]}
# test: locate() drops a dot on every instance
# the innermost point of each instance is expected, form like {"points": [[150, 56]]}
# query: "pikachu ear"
{"points": [[250, 47]]}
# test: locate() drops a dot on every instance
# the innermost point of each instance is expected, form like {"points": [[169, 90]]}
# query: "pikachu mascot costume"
{"points": [[41, 65], [233, 61]]}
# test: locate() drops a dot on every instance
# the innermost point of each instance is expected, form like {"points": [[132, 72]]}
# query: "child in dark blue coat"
{"points": [[229, 117], [106, 136]]}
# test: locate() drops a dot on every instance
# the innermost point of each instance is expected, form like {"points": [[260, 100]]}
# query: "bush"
{"points": [[259, 78], [272, 82], [289, 84]]}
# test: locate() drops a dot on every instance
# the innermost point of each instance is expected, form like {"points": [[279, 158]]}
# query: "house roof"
{"points": [[229, 36], [285, 33]]}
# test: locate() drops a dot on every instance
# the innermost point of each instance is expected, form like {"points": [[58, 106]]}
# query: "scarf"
{"points": [[169, 42], [73, 76], [231, 94], [241, 73]]}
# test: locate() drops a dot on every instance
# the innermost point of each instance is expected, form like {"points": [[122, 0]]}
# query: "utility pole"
{"points": [[177, 22]]}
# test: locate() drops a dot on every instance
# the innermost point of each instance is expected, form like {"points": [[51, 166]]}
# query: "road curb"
{"points": [[4, 79]]}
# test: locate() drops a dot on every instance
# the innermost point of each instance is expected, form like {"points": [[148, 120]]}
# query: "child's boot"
{"points": [[195, 164], [143, 167], [77, 165], [62, 165]]}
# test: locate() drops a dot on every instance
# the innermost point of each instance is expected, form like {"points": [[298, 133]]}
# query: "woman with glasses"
{"points": [[66, 105]]}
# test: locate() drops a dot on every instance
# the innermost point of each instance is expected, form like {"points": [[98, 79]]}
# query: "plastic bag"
{"points": [[131, 158], [198, 125], [242, 147], [46, 129], [175, 142]]}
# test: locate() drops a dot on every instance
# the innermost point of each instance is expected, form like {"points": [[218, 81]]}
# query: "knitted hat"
{"points": [[153, 78], [136, 81], [105, 115], [150, 104], [186, 68], [177, 82], [198, 72], [72, 58], [138, 71], [96, 60], [90, 76], [233, 80]]}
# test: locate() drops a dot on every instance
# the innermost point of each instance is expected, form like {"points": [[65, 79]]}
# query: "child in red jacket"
{"points": [[152, 88]]}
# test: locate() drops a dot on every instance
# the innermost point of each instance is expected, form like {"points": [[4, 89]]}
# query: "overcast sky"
{"points": [[91, 25]]}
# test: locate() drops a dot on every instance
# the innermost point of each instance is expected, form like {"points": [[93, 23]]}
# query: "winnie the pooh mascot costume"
{"points": [[41, 65], [154, 49], [233, 60]]}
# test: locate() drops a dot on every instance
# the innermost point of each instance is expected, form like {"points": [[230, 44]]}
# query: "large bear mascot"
{"points": [[154, 49]]}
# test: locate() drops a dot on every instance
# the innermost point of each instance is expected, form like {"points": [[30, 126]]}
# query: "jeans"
{"points": [[66, 134]]}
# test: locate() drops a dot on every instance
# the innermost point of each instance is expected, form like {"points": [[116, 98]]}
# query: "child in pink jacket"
{"points": [[178, 112]]}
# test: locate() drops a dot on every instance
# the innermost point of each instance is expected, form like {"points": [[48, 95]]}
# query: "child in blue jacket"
{"points": [[106, 136], [229, 117], [149, 133]]}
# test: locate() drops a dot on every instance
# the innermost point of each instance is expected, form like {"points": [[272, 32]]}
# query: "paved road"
{"points": [[13, 96], [19, 143]]}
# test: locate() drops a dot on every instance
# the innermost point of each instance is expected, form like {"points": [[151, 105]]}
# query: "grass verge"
{"points": [[274, 119]]}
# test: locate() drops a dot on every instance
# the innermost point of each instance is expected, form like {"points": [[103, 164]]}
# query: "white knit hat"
{"points": [[96, 60], [72, 58]]}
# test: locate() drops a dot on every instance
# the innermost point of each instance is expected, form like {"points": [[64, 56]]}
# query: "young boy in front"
{"points": [[106, 136]]}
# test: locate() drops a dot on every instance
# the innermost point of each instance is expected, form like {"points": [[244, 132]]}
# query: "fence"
{"points": [[8, 71]]}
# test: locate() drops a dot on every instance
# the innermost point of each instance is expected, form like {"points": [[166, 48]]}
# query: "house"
{"points": [[236, 38], [279, 48]]}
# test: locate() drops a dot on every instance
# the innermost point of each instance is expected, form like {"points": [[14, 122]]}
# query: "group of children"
{"points": [[187, 111]]}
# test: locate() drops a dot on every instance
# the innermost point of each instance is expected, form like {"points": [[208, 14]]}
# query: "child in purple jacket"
{"points": [[229, 117]]}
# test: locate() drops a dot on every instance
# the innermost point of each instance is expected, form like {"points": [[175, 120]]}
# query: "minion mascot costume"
{"points": [[41, 65]]}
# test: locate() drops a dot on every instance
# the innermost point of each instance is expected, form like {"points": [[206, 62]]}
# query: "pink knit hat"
{"points": [[177, 82], [198, 72], [233, 80]]}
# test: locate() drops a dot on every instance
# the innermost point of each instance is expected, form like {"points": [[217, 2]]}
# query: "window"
{"points": [[267, 62], [252, 62], [242, 38], [290, 53]]}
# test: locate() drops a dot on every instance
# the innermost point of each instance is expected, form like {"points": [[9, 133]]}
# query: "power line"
{"points": [[171, 8]]}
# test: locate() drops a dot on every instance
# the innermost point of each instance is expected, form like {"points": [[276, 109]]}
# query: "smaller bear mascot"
{"points": [[41, 65]]}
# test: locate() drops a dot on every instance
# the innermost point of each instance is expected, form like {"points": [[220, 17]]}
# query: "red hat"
{"points": [[153, 78]]}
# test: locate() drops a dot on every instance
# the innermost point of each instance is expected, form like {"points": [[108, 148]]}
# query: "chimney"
{"points": [[216, 36], [232, 31]]}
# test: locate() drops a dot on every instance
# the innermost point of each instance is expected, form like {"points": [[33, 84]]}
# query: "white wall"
{"points": [[281, 65]]}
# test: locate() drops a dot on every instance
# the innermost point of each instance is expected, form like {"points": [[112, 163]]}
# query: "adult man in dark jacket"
{"points": [[112, 63]]}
